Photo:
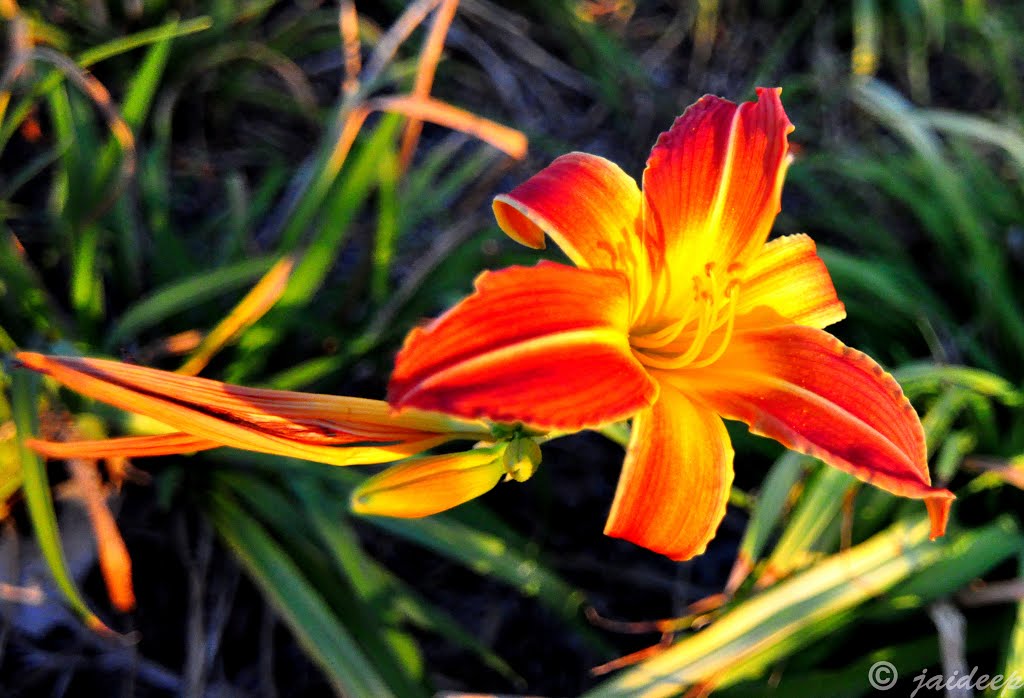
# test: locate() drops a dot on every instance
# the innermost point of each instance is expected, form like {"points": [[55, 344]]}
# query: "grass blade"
{"points": [[771, 504], [250, 309], [819, 505], [325, 640], [36, 486], [487, 555], [1015, 653], [182, 295], [754, 633]]}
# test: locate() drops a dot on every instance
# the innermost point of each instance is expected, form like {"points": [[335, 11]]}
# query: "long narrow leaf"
{"points": [[771, 504], [36, 486], [302, 608], [182, 295], [756, 632]]}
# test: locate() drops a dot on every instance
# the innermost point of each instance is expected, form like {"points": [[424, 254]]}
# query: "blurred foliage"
{"points": [[159, 157]]}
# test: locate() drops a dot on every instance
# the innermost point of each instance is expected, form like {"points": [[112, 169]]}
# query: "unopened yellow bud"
{"points": [[424, 486]]}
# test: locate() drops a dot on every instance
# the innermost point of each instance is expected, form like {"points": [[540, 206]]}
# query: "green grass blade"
{"points": [[1015, 651], [36, 487], [23, 293], [986, 258], [388, 647], [62, 199], [399, 659], [966, 556], [359, 176], [768, 511], [388, 223], [87, 296], [30, 170], [182, 295], [315, 627], [754, 633], [95, 54], [123, 44], [819, 505], [980, 129], [941, 414], [429, 189], [951, 454], [849, 681], [881, 283], [867, 37], [487, 555], [391, 596], [952, 563], [347, 195], [927, 377]]}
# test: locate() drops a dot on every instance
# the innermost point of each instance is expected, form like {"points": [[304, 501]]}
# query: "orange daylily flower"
{"points": [[678, 313]]}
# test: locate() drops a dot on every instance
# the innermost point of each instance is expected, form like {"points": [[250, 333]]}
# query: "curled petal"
{"points": [[547, 346], [675, 480], [807, 390], [713, 182], [425, 486], [587, 204], [789, 279]]}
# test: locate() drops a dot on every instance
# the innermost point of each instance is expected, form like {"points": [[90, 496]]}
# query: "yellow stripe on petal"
{"points": [[430, 485], [713, 185]]}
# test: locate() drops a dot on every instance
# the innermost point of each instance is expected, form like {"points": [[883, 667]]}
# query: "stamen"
{"points": [[704, 324], [730, 323], [714, 308], [704, 329], [671, 332]]}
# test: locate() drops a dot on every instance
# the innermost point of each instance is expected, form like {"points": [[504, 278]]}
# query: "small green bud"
{"points": [[521, 458]]}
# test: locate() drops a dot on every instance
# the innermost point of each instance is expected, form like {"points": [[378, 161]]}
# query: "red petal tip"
{"points": [[938, 511]]}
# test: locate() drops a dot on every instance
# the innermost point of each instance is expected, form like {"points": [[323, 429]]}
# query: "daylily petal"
{"points": [[675, 480], [587, 204], [713, 182], [308, 417], [125, 446], [111, 551], [789, 279], [425, 486], [807, 390], [110, 382], [547, 346]]}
